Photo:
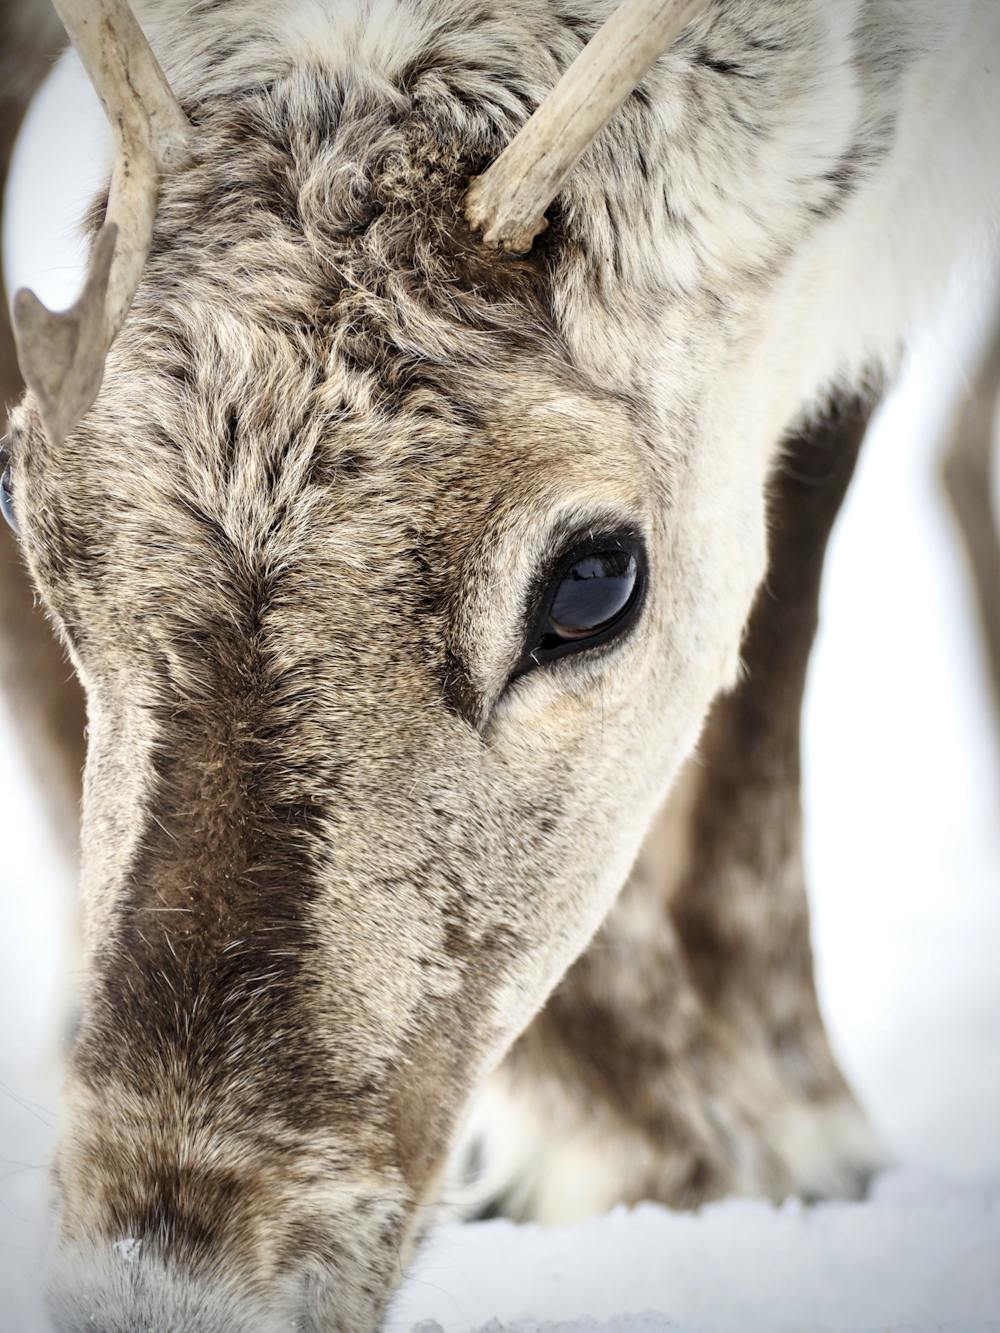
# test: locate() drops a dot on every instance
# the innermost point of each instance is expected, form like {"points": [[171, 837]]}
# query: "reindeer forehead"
{"points": [[333, 214], [262, 493], [247, 426], [325, 300]]}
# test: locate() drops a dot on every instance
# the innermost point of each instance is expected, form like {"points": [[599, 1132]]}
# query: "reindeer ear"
{"points": [[62, 356], [508, 202]]}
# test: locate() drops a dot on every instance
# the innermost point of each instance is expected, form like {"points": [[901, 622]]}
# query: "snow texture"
{"points": [[903, 806], [923, 1254]]}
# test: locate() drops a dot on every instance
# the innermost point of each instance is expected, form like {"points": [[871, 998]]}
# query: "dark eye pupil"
{"points": [[593, 593]]}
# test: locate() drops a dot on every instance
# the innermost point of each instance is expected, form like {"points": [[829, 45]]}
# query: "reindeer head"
{"points": [[399, 571]]}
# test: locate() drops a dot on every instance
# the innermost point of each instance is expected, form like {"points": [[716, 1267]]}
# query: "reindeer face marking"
{"points": [[337, 847]]}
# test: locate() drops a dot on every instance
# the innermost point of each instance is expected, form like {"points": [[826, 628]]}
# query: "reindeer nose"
{"points": [[117, 1288]]}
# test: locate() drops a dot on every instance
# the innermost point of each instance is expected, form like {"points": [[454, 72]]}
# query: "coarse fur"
{"points": [[335, 859]]}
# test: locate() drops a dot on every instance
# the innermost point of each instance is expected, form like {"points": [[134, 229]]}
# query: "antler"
{"points": [[62, 355], [508, 202]]}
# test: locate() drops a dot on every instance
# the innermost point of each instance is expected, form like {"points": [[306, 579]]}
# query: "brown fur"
{"points": [[337, 854]]}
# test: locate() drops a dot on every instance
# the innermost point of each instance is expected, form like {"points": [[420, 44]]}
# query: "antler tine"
{"points": [[508, 202], [62, 355]]}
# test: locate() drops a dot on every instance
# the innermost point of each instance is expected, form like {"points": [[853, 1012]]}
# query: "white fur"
{"points": [[730, 329]]}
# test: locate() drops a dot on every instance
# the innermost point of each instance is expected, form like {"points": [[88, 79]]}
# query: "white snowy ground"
{"points": [[903, 807]]}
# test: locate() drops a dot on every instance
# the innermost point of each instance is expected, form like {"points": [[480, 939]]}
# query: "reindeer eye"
{"points": [[593, 595], [7, 488]]}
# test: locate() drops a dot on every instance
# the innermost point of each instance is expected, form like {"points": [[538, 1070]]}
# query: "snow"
{"points": [[903, 807], [919, 1255]]}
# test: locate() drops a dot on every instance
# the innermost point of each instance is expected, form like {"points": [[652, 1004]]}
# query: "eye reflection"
{"points": [[593, 592]]}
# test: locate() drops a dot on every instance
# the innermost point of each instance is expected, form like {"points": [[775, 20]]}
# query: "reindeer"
{"points": [[408, 539]]}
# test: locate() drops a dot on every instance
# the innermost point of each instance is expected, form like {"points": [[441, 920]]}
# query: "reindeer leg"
{"points": [[740, 905], [966, 470], [624, 1088], [683, 1057]]}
